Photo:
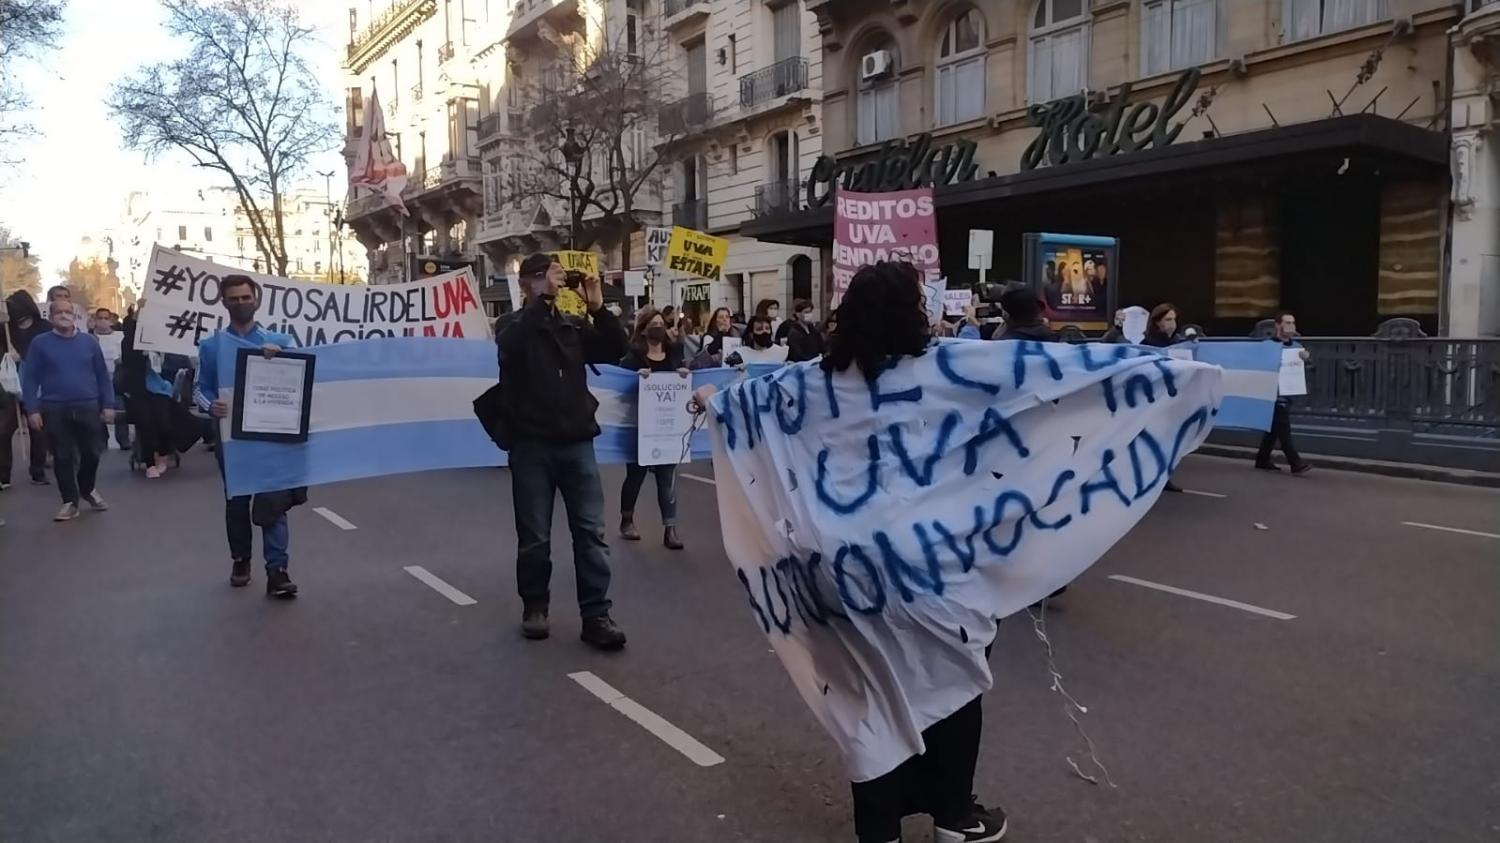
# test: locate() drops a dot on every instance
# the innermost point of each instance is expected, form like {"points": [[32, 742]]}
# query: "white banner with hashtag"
{"points": [[180, 306]]}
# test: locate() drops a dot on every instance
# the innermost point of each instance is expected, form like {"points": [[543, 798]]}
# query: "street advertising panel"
{"points": [[1076, 275]]}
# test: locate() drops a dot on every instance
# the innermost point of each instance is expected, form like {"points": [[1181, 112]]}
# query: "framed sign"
{"points": [[272, 396]]}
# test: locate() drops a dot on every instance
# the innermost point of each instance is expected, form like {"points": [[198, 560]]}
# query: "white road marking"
{"points": [[439, 586], [709, 480], [334, 518], [1207, 598], [1203, 494], [1451, 529], [648, 720]]}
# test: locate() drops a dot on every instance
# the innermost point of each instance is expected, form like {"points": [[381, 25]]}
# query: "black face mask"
{"points": [[241, 313], [656, 333], [761, 340]]}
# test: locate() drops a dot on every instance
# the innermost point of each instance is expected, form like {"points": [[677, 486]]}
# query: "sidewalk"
{"points": [[1436, 473]]}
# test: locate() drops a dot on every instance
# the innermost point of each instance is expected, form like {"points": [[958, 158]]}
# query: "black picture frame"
{"points": [[236, 420]]}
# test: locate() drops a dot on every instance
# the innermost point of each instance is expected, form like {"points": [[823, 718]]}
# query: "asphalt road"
{"points": [[143, 699]]}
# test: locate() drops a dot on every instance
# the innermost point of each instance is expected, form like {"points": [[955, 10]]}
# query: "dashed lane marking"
{"points": [[1207, 598], [437, 584], [648, 720]]}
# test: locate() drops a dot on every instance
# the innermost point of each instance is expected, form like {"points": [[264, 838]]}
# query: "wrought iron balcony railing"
{"points": [[780, 79]]}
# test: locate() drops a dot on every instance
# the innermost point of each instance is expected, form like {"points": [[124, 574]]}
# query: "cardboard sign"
{"points": [[663, 421], [657, 240], [635, 282], [981, 247], [1292, 379], [585, 262], [695, 253], [872, 227]]}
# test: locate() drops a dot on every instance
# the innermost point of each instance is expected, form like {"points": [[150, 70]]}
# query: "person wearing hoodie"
{"points": [[26, 324]]}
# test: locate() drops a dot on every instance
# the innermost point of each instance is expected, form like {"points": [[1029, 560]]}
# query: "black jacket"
{"points": [[544, 390], [1036, 331], [803, 342], [20, 305]]}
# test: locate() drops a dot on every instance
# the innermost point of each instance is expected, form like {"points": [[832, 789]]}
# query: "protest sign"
{"points": [[879, 528], [955, 301], [635, 282], [1134, 328], [182, 307], [698, 254], [663, 420], [981, 247], [871, 227], [574, 261], [657, 240], [1292, 377], [934, 290]]}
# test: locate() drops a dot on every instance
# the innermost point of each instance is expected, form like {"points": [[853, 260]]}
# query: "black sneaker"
{"points": [[1302, 469], [534, 623], [40, 481], [601, 633], [239, 575], [280, 586], [1268, 466], [985, 825]]}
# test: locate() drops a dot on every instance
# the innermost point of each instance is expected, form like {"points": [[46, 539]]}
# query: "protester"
{"points": [[1281, 417], [149, 399], [803, 340], [882, 318], [66, 390], [651, 351], [548, 421], [241, 297], [771, 309], [969, 328], [720, 326], [760, 346], [26, 324], [689, 337], [111, 342], [1023, 316], [1116, 332], [1161, 326]]}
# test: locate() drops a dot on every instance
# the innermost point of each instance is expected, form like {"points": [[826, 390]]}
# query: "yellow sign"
{"points": [[585, 262], [695, 253]]}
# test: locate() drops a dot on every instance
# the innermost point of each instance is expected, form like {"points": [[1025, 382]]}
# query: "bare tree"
{"points": [[243, 102], [27, 28], [596, 118]]}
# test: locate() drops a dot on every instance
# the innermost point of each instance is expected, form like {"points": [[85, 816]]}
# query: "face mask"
{"points": [[656, 333], [241, 312], [761, 339]]}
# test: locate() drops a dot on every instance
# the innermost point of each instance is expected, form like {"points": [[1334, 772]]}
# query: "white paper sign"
{"points": [[954, 301], [729, 345], [1292, 380], [935, 291], [981, 246], [1134, 328], [662, 419], [274, 394], [635, 282], [656, 245]]}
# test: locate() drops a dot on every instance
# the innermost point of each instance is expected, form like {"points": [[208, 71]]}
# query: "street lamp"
{"points": [[328, 213], [572, 153]]}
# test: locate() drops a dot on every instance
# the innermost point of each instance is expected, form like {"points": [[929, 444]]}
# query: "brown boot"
{"points": [[669, 538], [628, 530]]}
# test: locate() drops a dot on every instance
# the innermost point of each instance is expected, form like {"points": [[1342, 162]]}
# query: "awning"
{"points": [[1265, 149]]}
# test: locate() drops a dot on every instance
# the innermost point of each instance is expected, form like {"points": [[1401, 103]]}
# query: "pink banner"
{"points": [[870, 227]]}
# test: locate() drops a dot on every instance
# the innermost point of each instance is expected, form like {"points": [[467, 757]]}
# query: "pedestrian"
{"points": [[1161, 326], [651, 350], [883, 317], [548, 421], [26, 325], [111, 342], [1024, 319], [771, 309], [803, 340], [66, 390], [150, 404], [760, 346], [1281, 416], [241, 297], [1116, 332], [720, 327]]}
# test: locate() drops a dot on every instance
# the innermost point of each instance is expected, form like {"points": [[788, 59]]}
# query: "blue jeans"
{"points": [[538, 471], [275, 540], [72, 432]]}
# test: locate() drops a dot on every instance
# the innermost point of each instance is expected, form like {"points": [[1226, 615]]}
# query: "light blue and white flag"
{"points": [[1250, 372]]}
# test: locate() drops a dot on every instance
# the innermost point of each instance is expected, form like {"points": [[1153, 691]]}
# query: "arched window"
{"points": [[1178, 33], [1059, 55], [1306, 18], [877, 104], [960, 70]]}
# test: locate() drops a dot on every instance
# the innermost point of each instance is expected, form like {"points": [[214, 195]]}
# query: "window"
{"points": [[208, 234], [786, 31], [878, 103], [960, 70], [632, 28], [182, 233], [1306, 18], [395, 84], [1058, 61], [1177, 34]]}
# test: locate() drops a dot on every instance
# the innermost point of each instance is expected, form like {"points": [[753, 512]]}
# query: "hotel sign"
{"points": [[897, 166], [1071, 132]]}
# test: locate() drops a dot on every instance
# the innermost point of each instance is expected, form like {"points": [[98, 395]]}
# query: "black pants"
{"points": [[72, 430], [11, 421], [153, 425], [939, 782], [666, 491], [1281, 428]]}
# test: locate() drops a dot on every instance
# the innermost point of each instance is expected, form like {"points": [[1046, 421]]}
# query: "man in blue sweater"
{"points": [[66, 390]]}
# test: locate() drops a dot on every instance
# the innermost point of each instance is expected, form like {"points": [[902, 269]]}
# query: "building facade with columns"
{"points": [[1249, 155]]}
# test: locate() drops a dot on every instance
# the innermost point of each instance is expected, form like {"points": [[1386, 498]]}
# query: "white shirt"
{"points": [[111, 343], [774, 354]]}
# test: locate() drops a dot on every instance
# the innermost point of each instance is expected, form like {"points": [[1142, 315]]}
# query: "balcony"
{"points": [[385, 31], [445, 52], [691, 214], [529, 13], [781, 79], [685, 115], [675, 13], [777, 197], [491, 127], [1480, 31]]}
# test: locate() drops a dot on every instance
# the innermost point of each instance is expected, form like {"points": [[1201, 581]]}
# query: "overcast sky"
{"points": [[76, 173]]}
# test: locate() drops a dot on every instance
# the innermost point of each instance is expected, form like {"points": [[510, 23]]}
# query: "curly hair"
{"points": [[883, 317]]}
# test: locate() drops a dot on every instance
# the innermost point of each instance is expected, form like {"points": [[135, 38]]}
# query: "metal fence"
{"points": [[777, 197], [780, 79]]}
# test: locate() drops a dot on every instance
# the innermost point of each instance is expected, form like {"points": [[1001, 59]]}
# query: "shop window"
{"points": [[1058, 59], [1178, 33], [1307, 18], [960, 70], [878, 101]]}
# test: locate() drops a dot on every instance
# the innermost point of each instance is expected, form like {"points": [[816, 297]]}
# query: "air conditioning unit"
{"points": [[875, 65]]}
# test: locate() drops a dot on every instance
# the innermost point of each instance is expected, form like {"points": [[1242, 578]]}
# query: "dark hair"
{"points": [[536, 263], [766, 304], [1020, 305], [643, 318], [713, 321], [1157, 314], [667, 311], [238, 281], [883, 317], [802, 306], [1282, 314], [59, 288], [104, 310], [759, 319]]}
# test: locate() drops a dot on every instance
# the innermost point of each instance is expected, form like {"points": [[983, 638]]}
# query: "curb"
{"points": [[1433, 473]]}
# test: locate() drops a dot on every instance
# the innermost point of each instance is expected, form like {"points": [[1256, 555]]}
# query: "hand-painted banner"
{"points": [[870, 227], [695, 253], [392, 406], [880, 528], [182, 306]]}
